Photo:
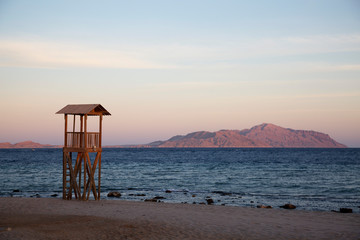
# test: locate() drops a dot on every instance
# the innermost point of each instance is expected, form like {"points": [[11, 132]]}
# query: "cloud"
{"points": [[226, 53], [59, 55]]}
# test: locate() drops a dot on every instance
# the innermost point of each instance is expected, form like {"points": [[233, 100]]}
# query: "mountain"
{"points": [[27, 144], [264, 135], [223, 138], [276, 136]]}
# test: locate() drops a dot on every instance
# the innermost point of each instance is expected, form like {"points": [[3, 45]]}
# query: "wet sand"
{"points": [[41, 218]]}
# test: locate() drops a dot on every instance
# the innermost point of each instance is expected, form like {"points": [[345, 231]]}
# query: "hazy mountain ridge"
{"points": [[263, 135], [27, 144]]}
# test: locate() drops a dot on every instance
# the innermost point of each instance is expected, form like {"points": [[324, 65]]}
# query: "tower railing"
{"points": [[77, 140]]}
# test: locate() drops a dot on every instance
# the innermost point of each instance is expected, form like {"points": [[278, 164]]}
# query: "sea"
{"points": [[310, 179]]}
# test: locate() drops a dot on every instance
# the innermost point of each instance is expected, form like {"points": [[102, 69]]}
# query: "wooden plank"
{"points": [[85, 167], [73, 179], [75, 150], [99, 176], [91, 173], [76, 169]]}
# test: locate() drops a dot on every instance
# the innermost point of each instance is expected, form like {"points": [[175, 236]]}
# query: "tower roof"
{"points": [[82, 109]]}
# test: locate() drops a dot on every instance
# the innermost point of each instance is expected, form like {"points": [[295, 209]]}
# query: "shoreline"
{"points": [[53, 218]]}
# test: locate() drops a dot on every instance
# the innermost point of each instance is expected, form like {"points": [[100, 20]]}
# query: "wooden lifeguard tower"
{"points": [[79, 176]]}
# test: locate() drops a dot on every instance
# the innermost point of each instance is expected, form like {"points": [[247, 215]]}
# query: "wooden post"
{"points": [[73, 134], [81, 145], [81, 130], [79, 169], [64, 158], [85, 131], [65, 137], [100, 146], [99, 176], [100, 129], [84, 156]]}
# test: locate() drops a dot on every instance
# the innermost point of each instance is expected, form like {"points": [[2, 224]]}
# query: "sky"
{"points": [[165, 68]]}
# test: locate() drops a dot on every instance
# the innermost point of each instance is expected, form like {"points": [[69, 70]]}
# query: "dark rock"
{"points": [[223, 204], [288, 206], [251, 201], [194, 202], [209, 201], [114, 194], [150, 200], [16, 190], [222, 193], [140, 195], [158, 197], [346, 210], [54, 195], [37, 195], [168, 191], [194, 195], [202, 203]]}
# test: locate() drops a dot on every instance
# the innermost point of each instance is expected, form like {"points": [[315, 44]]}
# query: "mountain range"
{"points": [[264, 135], [27, 144]]}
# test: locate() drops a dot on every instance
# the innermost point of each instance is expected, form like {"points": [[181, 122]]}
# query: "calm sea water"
{"points": [[311, 179]]}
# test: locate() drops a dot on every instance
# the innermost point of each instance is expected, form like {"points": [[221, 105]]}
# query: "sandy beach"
{"points": [[41, 218]]}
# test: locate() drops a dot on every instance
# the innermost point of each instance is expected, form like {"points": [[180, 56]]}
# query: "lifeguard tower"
{"points": [[79, 173]]}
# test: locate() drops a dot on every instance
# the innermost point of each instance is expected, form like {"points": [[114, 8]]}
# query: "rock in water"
{"points": [[288, 206], [346, 210], [209, 201], [151, 200], [114, 194], [140, 195], [158, 197]]}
